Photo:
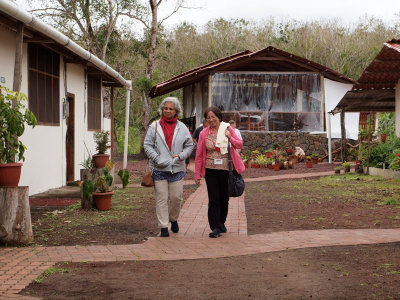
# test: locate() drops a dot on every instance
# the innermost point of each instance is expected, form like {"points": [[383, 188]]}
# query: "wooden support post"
{"points": [[343, 130], [18, 57], [15, 216]]}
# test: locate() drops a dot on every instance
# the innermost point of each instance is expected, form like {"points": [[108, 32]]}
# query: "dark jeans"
{"points": [[218, 199]]}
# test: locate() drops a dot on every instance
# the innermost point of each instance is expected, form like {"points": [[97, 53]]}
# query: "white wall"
{"points": [[45, 158], [334, 92], [44, 166], [7, 57]]}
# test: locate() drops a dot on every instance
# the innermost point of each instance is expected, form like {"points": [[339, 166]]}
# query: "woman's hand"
{"points": [[227, 134], [197, 181]]}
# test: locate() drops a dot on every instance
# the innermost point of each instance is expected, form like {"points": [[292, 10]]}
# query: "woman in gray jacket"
{"points": [[167, 144]]}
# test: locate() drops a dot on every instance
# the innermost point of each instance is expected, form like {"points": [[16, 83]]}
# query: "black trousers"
{"points": [[218, 199]]}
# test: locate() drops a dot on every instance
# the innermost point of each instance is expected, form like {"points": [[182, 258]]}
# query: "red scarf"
{"points": [[168, 127]]}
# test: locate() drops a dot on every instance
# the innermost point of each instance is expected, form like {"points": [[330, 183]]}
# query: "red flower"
{"points": [[397, 154]]}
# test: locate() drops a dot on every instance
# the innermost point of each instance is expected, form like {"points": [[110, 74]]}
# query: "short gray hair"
{"points": [[175, 101]]}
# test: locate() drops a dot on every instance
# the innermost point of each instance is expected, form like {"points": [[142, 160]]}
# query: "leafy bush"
{"points": [[383, 153], [346, 164], [124, 175]]}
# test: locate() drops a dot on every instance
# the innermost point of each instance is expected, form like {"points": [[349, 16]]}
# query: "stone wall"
{"points": [[310, 143]]}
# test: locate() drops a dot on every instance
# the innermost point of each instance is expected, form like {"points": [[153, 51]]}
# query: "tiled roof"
{"points": [[375, 89]]}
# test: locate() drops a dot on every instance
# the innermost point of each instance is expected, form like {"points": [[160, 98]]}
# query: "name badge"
{"points": [[218, 161]]}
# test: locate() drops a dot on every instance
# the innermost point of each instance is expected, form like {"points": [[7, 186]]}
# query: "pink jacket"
{"points": [[200, 162]]}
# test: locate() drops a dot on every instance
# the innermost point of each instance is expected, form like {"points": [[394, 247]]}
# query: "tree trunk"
{"points": [[343, 129], [15, 216], [151, 62]]}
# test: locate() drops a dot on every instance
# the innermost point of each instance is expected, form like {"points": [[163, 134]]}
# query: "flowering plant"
{"points": [[276, 154], [289, 151], [395, 163]]}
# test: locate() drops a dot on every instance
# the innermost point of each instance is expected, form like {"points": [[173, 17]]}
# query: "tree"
{"points": [[90, 22], [152, 25]]}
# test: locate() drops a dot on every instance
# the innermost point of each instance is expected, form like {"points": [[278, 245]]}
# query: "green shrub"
{"points": [[383, 153]]}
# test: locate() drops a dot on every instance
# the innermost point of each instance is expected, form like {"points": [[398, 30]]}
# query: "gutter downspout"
{"points": [[128, 97], [328, 130]]}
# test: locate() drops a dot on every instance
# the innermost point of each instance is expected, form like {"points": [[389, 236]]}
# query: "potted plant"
{"points": [[308, 162], [314, 158], [103, 188], [13, 117], [261, 161], [337, 170], [346, 165], [270, 162], [268, 153], [276, 166], [102, 140]]}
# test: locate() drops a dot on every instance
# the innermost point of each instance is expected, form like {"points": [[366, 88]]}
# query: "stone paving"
{"points": [[20, 266]]}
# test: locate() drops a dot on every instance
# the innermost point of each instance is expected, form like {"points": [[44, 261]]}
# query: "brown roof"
{"points": [[268, 59], [375, 89]]}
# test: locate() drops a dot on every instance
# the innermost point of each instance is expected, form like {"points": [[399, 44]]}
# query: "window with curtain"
{"points": [[94, 103], [44, 84], [271, 102]]}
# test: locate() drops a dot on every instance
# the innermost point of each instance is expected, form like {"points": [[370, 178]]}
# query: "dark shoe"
{"points": [[174, 227], [164, 232], [215, 233], [223, 228]]}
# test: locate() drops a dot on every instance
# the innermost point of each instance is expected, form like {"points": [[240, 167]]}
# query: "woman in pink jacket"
{"points": [[212, 164]]}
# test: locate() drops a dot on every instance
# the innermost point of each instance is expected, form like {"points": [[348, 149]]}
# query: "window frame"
{"points": [[94, 102], [38, 95]]}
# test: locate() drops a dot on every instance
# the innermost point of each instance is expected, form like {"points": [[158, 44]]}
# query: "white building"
{"points": [[64, 87], [268, 91]]}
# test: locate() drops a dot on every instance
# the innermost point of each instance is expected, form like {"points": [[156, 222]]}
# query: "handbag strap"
{"points": [[229, 157]]}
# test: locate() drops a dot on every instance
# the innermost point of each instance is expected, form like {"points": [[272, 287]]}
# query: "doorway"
{"points": [[70, 139]]}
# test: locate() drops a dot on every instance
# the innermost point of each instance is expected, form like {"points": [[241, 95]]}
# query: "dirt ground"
{"points": [[351, 272], [346, 272], [298, 205], [55, 226]]}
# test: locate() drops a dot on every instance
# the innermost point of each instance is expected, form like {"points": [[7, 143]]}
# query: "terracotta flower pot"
{"points": [[10, 174], [277, 167], [100, 160], [102, 200], [314, 160], [270, 167], [309, 164]]}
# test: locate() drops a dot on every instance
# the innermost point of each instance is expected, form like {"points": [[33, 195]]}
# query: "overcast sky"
{"points": [[349, 11]]}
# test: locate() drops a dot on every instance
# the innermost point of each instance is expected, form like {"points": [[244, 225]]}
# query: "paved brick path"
{"points": [[20, 266]]}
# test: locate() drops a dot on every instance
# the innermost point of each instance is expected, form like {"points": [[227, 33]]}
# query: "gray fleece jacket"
{"points": [[160, 157]]}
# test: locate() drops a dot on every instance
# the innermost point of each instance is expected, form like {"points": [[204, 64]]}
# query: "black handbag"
{"points": [[235, 180]]}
